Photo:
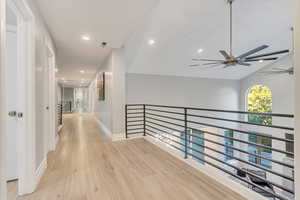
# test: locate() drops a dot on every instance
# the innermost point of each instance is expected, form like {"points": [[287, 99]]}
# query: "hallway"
{"points": [[88, 166]]}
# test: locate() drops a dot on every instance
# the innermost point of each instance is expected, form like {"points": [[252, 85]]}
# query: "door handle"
{"points": [[12, 113], [47, 107], [20, 115]]}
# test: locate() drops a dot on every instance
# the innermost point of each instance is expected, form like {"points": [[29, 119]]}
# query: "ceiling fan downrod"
{"points": [[231, 26]]}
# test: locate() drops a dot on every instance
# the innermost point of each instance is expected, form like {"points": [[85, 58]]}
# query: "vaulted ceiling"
{"points": [[179, 28]]}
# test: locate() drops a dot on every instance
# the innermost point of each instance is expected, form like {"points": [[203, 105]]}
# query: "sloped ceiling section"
{"points": [[180, 28], [111, 21]]}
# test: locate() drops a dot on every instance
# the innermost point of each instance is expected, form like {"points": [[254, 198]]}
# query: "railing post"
{"points": [[144, 111], [126, 134], [61, 114], [185, 135]]}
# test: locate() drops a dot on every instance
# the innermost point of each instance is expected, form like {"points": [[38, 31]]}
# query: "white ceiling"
{"points": [[180, 28], [111, 21], [11, 18]]}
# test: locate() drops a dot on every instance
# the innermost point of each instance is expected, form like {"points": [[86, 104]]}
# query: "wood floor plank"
{"points": [[88, 166]]}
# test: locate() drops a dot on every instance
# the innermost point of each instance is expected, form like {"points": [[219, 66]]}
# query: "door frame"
{"points": [[26, 61], [51, 134]]}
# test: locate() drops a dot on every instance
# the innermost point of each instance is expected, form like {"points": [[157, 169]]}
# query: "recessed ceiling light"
{"points": [[151, 42], [200, 50], [261, 61], [86, 38], [82, 71]]}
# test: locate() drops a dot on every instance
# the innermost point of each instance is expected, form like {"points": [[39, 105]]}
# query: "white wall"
{"points": [[182, 91], [111, 111]]}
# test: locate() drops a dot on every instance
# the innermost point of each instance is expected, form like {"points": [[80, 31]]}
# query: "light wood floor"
{"points": [[88, 166]]}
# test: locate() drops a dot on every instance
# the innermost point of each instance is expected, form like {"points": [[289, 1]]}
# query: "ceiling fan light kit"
{"points": [[244, 59]]}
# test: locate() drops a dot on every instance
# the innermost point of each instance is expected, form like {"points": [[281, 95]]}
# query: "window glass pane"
{"points": [[259, 100], [229, 142]]}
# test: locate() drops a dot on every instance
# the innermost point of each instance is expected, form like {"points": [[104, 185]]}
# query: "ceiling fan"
{"points": [[289, 71], [279, 70], [244, 59]]}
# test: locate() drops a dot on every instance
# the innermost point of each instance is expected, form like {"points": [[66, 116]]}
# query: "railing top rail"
{"points": [[218, 110]]}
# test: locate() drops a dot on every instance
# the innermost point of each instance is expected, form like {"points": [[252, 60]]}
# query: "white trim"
{"points": [[104, 128], [26, 76], [209, 171], [40, 171], [3, 188], [119, 137]]}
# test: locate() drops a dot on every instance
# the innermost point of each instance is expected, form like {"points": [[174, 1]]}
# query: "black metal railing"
{"points": [[67, 106], [198, 133], [60, 114]]}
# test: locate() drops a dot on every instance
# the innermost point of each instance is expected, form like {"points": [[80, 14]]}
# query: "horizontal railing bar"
{"points": [[163, 116], [170, 112], [134, 113], [134, 121], [128, 109], [246, 152], [165, 142], [165, 137], [245, 142], [243, 161], [238, 140], [242, 122], [236, 130], [226, 171], [134, 133], [238, 177], [256, 155], [134, 129], [134, 105], [135, 117], [252, 174], [173, 129], [239, 131], [130, 125], [225, 111], [164, 131], [164, 121]]}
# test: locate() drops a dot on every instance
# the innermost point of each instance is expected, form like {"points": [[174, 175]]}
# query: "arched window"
{"points": [[259, 100]]}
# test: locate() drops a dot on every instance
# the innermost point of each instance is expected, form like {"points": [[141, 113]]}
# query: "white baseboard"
{"points": [[104, 128], [40, 171], [59, 128], [209, 171], [118, 137]]}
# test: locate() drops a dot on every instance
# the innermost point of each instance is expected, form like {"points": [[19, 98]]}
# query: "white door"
{"points": [[46, 108], [12, 104]]}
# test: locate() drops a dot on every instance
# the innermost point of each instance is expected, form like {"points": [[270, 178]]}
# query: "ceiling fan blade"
{"points": [[212, 63], [207, 60], [225, 54], [245, 64], [197, 65], [262, 59], [269, 54], [253, 51], [274, 72], [278, 69]]}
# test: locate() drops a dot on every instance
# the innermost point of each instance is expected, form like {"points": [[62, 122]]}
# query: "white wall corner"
{"points": [[40, 171], [209, 171]]}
